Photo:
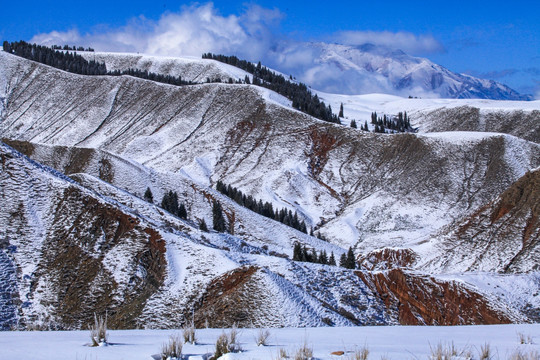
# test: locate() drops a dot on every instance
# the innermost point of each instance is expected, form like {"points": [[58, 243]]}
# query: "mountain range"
{"points": [[369, 68], [444, 218]]}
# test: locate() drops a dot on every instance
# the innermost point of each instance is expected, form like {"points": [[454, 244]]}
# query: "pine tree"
{"points": [[343, 260], [148, 197], [182, 212], [341, 111], [353, 124], [203, 226], [297, 252], [323, 257], [314, 258], [217, 217], [305, 254], [332, 260], [170, 202], [350, 262]]}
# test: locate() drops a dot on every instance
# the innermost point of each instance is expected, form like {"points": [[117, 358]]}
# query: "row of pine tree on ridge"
{"points": [[302, 99], [170, 204]]}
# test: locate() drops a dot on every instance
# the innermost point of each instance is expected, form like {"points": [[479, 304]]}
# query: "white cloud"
{"points": [[192, 31], [253, 35], [406, 41]]}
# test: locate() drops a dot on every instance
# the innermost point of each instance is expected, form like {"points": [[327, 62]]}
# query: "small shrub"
{"points": [[189, 334], [283, 354], [173, 349], [485, 352], [519, 355], [98, 332], [447, 352], [525, 339], [304, 353], [222, 346], [262, 337], [360, 354]]}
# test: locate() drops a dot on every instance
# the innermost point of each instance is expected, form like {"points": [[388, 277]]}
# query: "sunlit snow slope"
{"points": [[394, 198]]}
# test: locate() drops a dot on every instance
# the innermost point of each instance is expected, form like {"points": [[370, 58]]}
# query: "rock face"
{"points": [[422, 300], [523, 124], [66, 244], [501, 236], [388, 258]]}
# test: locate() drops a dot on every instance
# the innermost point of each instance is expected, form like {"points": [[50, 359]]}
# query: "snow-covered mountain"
{"points": [[395, 199], [369, 68]]}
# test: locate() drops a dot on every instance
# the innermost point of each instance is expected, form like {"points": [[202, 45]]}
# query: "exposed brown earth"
{"points": [[229, 300], [504, 234], [422, 300], [74, 258], [523, 124], [388, 258]]}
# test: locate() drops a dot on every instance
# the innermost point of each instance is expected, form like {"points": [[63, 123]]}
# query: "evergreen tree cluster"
{"points": [[301, 253], [301, 97], [265, 209], [145, 74], [60, 58], [73, 48], [63, 60], [170, 203], [391, 124]]}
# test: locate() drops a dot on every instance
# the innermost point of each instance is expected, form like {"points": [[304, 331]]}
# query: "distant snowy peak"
{"points": [[369, 68]]}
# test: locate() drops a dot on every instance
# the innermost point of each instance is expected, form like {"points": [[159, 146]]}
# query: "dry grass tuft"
{"points": [[98, 332], [485, 352], [360, 354], [227, 343], [524, 339], [222, 346], [520, 355], [448, 352], [262, 337], [173, 349], [188, 334], [304, 353]]}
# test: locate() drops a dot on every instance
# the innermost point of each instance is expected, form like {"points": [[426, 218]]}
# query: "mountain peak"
{"points": [[370, 68]]}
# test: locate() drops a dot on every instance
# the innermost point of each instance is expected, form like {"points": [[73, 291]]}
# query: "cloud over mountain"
{"points": [[369, 62]]}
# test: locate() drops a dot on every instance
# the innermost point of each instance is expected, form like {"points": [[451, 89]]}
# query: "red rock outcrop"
{"points": [[388, 258], [423, 300]]}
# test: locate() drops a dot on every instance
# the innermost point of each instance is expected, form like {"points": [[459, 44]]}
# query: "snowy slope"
{"points": [[393, 343], [518, 118], [189, 68], [342, 181], [146, 267], [116, 136]]}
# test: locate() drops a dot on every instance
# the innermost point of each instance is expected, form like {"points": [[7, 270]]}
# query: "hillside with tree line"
{"points": [[301, 97], [265, 209]]}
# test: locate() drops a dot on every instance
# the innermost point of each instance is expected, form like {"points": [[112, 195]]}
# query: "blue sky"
{"points": [[499, 40]]}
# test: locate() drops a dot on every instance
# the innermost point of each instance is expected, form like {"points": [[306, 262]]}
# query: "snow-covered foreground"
{"points": [[396, 342]]}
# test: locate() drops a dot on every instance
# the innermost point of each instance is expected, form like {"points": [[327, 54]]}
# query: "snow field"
{"points": [[395, 342]]}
